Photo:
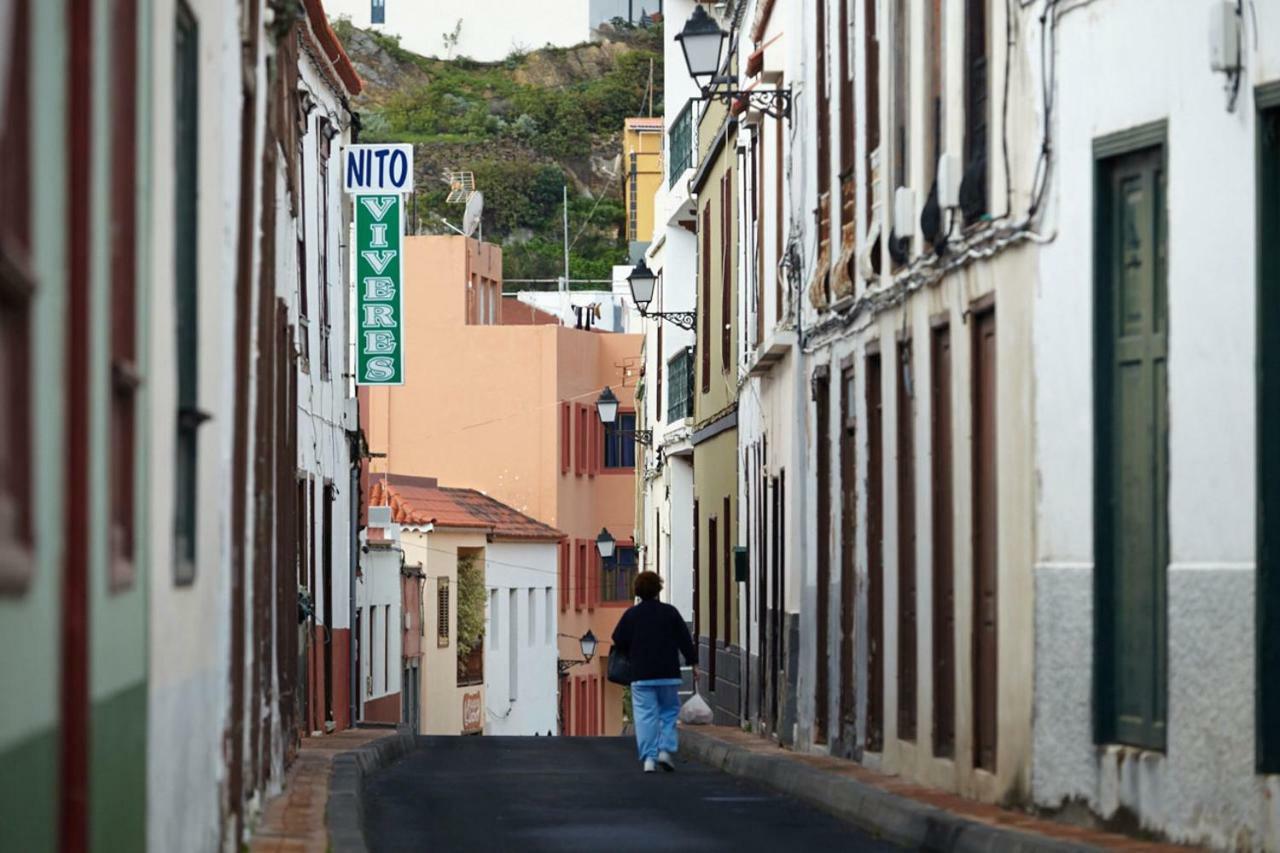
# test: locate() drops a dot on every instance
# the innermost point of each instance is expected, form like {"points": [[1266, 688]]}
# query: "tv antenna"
{"points": [[462, 185]]}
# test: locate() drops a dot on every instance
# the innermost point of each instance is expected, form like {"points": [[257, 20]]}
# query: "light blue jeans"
{"points": [[655, 704]]}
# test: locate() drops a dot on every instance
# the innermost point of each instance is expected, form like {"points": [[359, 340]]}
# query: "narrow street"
{"points": [[551, 794]]}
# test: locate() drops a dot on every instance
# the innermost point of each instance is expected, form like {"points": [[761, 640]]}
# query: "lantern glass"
{"points": [[607, 406], [588, 642], [606, 544], [642, 282], [702, 41]]}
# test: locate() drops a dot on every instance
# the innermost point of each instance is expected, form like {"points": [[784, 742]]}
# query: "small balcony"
{"points": [[680, 142], [680, 386]]}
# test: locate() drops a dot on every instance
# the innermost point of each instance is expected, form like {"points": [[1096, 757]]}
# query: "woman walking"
{"points": [[653, 635]]}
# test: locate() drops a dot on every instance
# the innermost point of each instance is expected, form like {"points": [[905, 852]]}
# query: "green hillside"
{"points": [[526, 127]]}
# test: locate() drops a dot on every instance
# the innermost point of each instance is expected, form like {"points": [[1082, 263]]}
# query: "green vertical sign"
{"points": [[379, 292]]}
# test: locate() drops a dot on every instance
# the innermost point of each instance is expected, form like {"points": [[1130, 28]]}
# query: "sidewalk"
{"points": [[905, 813], [294, 821]]}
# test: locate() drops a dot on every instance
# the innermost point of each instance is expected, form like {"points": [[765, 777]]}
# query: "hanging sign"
{"points": [[379, 292], [377, 168]]}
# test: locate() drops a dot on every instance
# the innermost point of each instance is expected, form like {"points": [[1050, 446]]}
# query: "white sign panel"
{"points": [[377, 168]]}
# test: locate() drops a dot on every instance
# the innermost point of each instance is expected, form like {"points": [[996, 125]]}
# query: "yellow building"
{"points": [[715, 416], [641, 178]]}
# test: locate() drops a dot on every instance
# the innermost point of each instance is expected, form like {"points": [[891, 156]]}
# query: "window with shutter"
{"points": [[566, 434], [977, 105], [125, 378], [704, 345], [726, 269], [186, 286], [442, 612], [17, 287]]}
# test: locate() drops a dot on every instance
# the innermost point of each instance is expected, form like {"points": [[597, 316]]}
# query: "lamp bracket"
{"points": [[775, 103], [686, 320]]}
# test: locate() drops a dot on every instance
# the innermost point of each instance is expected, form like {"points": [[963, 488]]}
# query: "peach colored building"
{"points": [[510, 410]]}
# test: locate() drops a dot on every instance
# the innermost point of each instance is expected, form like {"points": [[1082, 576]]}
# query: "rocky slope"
{"points": [[526, 127]]}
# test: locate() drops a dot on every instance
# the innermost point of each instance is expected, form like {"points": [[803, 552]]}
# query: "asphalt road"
{"points": [[582, 794]]}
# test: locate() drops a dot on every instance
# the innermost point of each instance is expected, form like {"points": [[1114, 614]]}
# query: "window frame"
{"points": [[611, 565], [621, 439]]}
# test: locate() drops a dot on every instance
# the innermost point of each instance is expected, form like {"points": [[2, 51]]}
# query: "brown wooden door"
{"points": [[985, 601], [944, 582], [713, 606], [848, 570], [821, 692], [875, 559], [775, 604], [906, 473]]}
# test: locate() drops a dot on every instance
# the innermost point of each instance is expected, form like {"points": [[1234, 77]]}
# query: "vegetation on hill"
{"points": [[527, 127]]}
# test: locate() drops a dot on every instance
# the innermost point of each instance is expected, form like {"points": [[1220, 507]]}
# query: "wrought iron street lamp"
{"points": [[703, 43], [607, 409], [587, 643], [643, 282], [606, 544], [607, 406]]}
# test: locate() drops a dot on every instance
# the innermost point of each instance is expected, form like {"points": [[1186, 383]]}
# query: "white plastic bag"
{"points": [[695, 711]]}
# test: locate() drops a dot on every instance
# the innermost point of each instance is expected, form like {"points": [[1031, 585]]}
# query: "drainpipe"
{"points": [[353, 541]]}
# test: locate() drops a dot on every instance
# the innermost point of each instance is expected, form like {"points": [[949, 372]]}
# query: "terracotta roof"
{"points": [[332, 46], [421, 500]]}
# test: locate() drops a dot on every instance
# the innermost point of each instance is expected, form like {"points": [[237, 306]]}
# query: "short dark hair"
{"points": [[648, 585]]}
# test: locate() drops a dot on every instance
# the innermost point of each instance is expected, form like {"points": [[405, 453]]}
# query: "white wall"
{"points": [[189, 630], [325, 411], [1119, 66], [617, 311], [520, 638], [378, 597]]}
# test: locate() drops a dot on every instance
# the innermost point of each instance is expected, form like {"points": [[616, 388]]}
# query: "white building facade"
{"points": [[520, 650], [666, 484], [1155, 575], [318, 296]]}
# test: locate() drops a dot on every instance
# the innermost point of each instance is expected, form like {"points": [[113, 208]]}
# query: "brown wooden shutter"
{"points": [[943, 545], [875, 557], [726, 272], [704, 345], [822, 663], [986, 658], [906, 474]]}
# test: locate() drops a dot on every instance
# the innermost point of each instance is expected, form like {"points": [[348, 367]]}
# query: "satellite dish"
{"points": [[471, 218]]}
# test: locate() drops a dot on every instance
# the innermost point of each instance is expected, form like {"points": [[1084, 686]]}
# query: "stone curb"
{"points": [[344, 810], [897, 819]]}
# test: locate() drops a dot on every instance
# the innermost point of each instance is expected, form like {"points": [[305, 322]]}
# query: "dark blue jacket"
{"points": [[653, 635]]}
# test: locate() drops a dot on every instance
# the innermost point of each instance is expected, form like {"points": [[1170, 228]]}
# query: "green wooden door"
{"points": [[1132, 423], [1268, 673]]}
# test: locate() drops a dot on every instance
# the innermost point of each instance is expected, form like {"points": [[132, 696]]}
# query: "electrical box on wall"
{"points": [[1224, 36], [740, 564], [950, 174]]}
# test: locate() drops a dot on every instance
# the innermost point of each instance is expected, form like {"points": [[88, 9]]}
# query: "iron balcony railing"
{"points": [[680, 144], [680, 386]]}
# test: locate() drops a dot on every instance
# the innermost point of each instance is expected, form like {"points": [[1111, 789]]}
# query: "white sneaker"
{"points": [[667, 762], [649, 766]]}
